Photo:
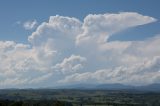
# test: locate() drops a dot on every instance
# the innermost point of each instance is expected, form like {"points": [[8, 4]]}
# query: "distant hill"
{"points": [[151, 87], [116, 86]]}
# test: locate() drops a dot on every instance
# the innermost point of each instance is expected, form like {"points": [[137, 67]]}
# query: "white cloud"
{"points": [[71, 64], [137, 64], [29, 25], [138, 74], [40, 78], [49, 55], [12, 82], [98, 28]]}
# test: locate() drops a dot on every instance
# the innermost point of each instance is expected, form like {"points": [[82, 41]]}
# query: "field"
{"points": [[73, 97]]}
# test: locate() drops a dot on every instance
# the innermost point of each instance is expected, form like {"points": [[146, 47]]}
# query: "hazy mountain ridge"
{"points": [[116, 86], [155, 87]]}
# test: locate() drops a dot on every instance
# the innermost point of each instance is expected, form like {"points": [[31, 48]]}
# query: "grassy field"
{"points": [[72, 97]]}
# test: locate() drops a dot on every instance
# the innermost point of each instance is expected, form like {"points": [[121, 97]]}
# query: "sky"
{"points": [[48, 43]]}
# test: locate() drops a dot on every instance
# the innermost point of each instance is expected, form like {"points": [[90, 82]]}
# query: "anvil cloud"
{"points": [[65, 50]]}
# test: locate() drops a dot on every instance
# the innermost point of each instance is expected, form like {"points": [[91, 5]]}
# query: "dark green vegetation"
{"points": [[72, 97]]}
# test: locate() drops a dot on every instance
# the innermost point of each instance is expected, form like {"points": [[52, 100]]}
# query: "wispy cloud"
{"points": [[29, 25]]}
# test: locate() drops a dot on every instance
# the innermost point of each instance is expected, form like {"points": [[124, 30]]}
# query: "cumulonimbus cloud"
{"points": [[66, 50]]}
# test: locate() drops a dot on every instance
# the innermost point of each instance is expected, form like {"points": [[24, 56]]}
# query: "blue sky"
{"points": [[22, 10], [47, 43]]}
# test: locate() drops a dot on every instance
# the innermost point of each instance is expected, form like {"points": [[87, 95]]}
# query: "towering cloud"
{"points": [[66, 50]]}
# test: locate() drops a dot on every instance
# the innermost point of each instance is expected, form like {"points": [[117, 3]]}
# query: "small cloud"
{"points": [[29, 25]]}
